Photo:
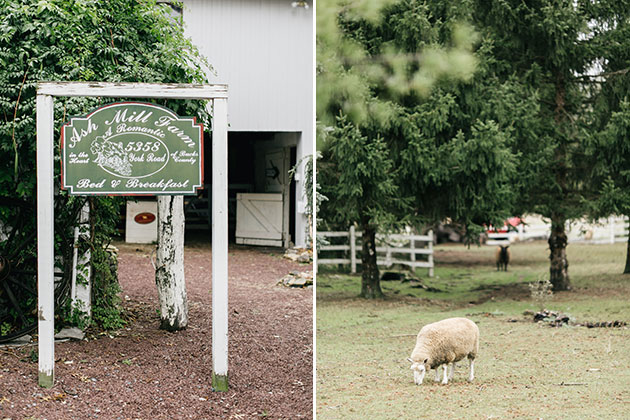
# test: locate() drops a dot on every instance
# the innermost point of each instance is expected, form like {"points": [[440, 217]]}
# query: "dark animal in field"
{"points": [[503, 257]]}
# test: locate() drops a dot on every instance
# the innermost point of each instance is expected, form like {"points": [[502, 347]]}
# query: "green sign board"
{"points": [[132, 148]]}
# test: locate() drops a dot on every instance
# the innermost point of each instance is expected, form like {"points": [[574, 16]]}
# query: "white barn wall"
{"points": [[263, 49]]}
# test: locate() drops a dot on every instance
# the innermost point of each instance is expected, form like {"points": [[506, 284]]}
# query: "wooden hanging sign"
{"points": [[132, 148]]}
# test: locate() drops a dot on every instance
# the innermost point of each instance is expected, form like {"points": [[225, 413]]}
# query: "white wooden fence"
{"points": [[605, 231], [390, 249]]}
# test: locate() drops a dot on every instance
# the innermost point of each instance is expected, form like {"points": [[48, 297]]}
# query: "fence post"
{"points": [[353, 251], [611, 227], [521, 232], [45, 241], [412, 245], [81, 291], [220, 314], [430, 233]]}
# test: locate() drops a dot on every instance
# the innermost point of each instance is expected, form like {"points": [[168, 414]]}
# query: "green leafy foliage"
{"points": [[613, 168], [106, 310], [358, 176], [392, 50], [427, 145], [574, 56], [82, 40], [452, 146], [412, 144], [75, 315], [532, 119]]}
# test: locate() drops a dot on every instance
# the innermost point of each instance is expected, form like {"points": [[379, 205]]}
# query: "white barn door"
{"points": [[259, 219], [263, 218]]}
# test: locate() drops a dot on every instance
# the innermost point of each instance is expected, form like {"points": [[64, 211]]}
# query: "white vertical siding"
{"points": [[264, 50]]}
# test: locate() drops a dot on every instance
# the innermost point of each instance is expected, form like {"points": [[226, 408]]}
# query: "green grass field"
{"points": [[524, 370]]}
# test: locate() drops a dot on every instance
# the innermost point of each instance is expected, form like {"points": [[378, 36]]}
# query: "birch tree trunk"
{"points": [[169, 274]]}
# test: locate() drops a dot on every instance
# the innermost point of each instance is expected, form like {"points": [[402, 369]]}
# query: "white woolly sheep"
{"points": [[443, 343]]}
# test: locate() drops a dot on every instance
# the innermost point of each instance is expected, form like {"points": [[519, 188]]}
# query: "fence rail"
{"points": [[390, 249], [605, 231]]}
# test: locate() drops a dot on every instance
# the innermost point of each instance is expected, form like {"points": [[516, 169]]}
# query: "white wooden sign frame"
{"points": [[217, 107]]}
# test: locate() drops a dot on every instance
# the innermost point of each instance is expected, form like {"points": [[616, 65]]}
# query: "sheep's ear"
{"points": [[409, 358]]}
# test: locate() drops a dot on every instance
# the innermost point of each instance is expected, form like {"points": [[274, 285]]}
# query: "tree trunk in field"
{"points": [[559, 268], [627, 269], [169, 274], [370, 279]]}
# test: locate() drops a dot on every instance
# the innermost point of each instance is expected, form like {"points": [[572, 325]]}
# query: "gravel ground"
{"points": [[141, 372]]}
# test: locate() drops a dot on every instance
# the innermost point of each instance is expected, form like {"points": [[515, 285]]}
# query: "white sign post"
{"points": [[217, 107]]}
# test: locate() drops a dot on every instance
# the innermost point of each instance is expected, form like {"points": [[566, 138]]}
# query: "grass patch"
{"points": [[524, 371]]}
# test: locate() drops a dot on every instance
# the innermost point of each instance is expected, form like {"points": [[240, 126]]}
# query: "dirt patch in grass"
{"points": [[141, 372], [518, 291]]}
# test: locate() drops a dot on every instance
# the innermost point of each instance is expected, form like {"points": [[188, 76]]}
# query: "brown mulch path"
{"points": [[141, 372]]}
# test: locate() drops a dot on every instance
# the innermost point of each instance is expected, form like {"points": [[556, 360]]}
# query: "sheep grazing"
{"points": [[443, 343], [503, 257]]}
